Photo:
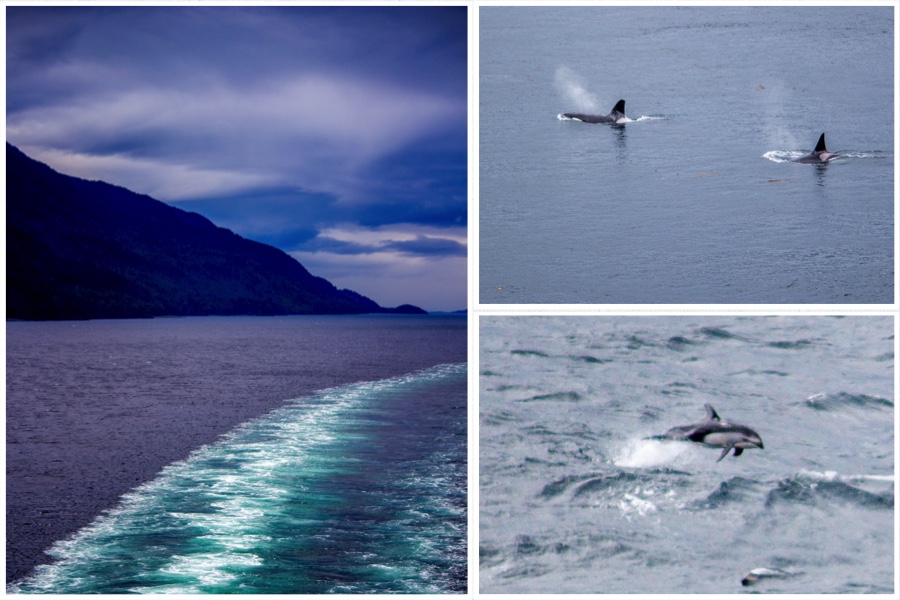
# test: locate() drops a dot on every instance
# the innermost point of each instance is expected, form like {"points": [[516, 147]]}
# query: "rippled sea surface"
{"points": [[575, 499], [351, 487], [695, 200]]}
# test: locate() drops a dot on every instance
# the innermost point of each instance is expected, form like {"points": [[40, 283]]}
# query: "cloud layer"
{"points": [[280, 123]]}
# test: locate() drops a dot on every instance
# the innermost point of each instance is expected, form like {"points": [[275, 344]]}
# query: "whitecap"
{"points": [[632, 504]]}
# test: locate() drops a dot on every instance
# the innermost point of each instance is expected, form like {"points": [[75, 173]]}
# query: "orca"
{"points": [[616, 115], [819, 155], [715, 432]]}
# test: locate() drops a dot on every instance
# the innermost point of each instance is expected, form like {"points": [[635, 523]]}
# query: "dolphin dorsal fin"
{"points": [[820, 147], [619, 107], [711, 414]]}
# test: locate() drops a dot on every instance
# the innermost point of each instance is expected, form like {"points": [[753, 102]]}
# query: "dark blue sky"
{"points": [[336, 134]]}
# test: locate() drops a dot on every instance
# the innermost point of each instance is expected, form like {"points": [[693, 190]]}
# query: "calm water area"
{"points": [[695, 200]]}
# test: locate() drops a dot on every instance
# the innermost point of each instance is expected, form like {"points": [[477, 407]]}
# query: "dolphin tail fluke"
{"points": [[725, 452], [620, 107], [820, 147]]}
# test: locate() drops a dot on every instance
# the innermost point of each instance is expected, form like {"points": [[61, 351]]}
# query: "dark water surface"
{"points": [[346, 448], [695, 201]]}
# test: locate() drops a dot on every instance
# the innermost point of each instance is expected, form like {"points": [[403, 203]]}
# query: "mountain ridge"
{"points": [[80, 249]]}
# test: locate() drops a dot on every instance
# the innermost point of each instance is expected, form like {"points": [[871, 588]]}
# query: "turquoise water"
{"points": [[357, 489]]}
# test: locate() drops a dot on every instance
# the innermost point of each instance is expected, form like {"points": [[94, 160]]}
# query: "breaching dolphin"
{"points": [[819, 155], [713, 431], [765, 573], [616, 115]]}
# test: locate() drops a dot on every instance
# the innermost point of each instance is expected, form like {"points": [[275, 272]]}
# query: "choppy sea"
{"points": [[574, 498]]}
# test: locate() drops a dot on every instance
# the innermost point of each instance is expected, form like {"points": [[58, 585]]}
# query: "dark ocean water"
{"points": [[574, 499], [695, 201], [354, 488]]}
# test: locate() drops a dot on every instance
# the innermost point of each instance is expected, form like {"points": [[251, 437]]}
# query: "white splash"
{"points": [[781, 156], [819, 475], [647, 453], [640, 119], [632, 504]]}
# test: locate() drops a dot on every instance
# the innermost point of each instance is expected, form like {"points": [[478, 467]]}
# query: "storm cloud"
{"points": [[280, 123]]}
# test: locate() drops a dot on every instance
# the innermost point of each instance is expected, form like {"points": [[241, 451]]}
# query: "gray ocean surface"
{"points": [[574, 499], [695, 200]]}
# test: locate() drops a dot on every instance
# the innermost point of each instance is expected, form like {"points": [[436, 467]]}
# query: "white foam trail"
{"points": [[861, 155], [569, 84], [230, 506]]}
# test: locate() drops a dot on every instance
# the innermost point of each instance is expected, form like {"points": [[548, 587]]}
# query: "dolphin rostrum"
{"points": [[819, 155], [616, 115], [713, 431]]}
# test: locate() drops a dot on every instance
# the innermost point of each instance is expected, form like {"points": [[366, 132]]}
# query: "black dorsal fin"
{"points": [[619, 107], [820, 147], [711, 414]]}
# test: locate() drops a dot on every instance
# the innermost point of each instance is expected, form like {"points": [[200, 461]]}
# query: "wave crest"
{"points": [[842, 400], [810, 487]]}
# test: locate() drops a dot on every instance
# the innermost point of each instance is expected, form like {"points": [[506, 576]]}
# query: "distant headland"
{"points": [[79, 249]]}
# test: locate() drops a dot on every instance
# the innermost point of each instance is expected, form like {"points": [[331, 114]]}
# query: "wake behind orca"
{"points": [[819, 155], [713, 431], [615, 116]]}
